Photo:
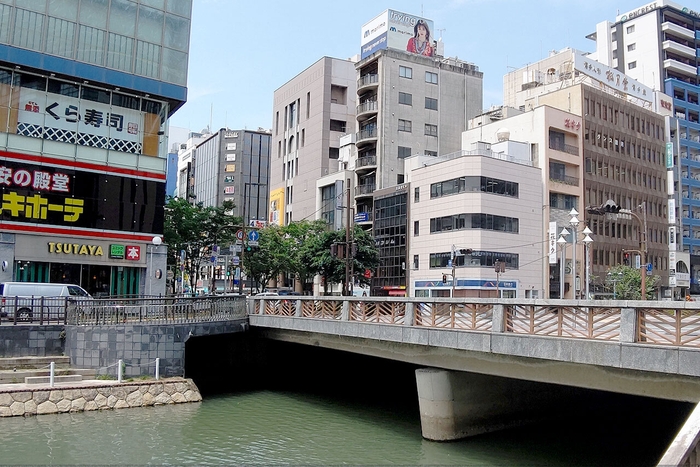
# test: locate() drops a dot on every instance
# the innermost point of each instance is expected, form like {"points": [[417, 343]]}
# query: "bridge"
{"points": [[490, 362]]}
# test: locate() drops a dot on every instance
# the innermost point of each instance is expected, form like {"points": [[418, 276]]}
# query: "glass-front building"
{"points": [[86, 90]]}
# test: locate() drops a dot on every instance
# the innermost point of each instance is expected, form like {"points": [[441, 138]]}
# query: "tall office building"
{"points": [[657, 44], [623, 157], [310, 114], [86, 90], [233, 165]]}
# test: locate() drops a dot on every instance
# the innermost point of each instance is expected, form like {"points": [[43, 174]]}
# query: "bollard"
{"points": [[157, 368], [119, 371], [52, 369]]}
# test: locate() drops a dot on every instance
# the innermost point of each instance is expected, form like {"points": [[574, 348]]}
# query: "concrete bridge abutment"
{"points": [[455, 405]]}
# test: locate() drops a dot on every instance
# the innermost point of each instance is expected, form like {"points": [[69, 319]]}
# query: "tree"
{"points": [[302, 243], [194, 229], [267, 260], [626, 283], [333, 268]]}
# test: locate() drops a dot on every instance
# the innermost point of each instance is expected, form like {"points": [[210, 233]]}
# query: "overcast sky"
{"points": [[241, 51]]}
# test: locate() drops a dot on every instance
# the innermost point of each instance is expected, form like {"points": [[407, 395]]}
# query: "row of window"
{"points": [[473, 183], [474, 221], [654, 208], [613, 258], [613, 229], [407, 99], [617, 116], [477, 259], [407, 126], [407, 72], [622, 146], [625, 174]]}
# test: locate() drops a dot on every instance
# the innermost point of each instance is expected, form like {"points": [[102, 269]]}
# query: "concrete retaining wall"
{"points": [[96, 396], [31, 340], [138, 345]]}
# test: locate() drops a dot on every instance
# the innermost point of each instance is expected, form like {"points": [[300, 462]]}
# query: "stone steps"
{"points": [[35, 370], [12, 363]]}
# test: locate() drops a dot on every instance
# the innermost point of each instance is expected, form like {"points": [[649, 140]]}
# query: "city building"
{"points": [[623, 156], [551, 139], [310, 114], [86, 90], [232, 165], [657, 44], [476, 224]]}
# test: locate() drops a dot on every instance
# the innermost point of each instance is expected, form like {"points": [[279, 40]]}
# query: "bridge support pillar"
{"points": [[455, 405]]}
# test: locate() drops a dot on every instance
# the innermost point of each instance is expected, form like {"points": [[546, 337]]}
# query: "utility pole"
{"points": [[348, 249]]}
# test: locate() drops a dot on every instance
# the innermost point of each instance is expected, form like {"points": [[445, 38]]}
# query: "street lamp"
{"points": [[587, 240], [562, 243], [156, 241]]}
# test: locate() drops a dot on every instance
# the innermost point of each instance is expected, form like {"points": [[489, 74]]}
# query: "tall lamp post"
{"points": [[587, 240], [245, 225], [562, 267], [156, 241]]}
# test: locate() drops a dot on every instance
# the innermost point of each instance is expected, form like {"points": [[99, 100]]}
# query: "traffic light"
{"points": [[627, 259], [611, 206], [251, 248], [444, 278], [465, 251]]}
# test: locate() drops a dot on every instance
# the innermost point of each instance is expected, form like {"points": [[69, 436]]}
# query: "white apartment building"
{"points": [[483, 200]]}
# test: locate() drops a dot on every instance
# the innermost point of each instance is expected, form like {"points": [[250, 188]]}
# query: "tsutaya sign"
{"points": [[612, 78]]}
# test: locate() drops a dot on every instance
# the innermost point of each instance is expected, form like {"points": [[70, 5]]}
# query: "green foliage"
{"points": [[302, 242], [195, 228], [626, 283], [269, 259]]}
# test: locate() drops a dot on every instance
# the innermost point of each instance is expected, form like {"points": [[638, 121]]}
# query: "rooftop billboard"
{"points": [[395, 30]]}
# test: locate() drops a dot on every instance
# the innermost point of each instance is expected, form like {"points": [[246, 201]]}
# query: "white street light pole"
{"points": [[562, 267], [587, 240], [574, 226], [156, 241]]}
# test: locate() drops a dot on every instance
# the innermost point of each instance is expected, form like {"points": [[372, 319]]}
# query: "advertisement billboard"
{"points": [[395, 30], [277, 207]]}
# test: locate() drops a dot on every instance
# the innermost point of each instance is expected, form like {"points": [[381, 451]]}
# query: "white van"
{"points": [[30, 299]]}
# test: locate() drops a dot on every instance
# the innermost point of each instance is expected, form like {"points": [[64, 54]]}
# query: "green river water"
{"points": [[291, 428]]}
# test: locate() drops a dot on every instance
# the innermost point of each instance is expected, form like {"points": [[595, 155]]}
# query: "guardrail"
{"points": [[161, 310], [647, 322]]}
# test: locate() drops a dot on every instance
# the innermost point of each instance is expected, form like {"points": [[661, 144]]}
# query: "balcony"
{"points": [[364, 190], [679, 49], [366, 110], [366, 136], [565, 179], [366, 162], [678, 30], [567, 148], [679, 67], [367, 81]]}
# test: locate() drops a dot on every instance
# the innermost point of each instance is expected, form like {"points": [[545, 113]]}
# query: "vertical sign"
{"points": [[669, 155], [552, 243], [672, 211]]}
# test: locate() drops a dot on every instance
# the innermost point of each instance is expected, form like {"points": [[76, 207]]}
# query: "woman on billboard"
{"points": [[420, 42]]}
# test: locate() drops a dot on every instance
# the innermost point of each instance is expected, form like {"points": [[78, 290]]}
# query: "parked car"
{"points": [[267, 294], [29, 299]]}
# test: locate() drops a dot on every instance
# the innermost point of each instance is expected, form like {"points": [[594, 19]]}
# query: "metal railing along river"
{"points": [[161, 310], [649, 322]]}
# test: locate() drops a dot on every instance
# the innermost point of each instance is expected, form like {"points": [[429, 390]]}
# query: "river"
{"points": [[283, 427]]}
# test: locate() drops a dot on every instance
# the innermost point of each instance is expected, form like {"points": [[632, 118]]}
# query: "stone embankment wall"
{"points": [[46, 400]]}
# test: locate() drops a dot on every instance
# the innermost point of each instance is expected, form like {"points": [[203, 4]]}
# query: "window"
{"points": [[405, 98], [404, 152], [416, 194], [631, 47], [632, 65], [405, 125], [431, 130], [416, 228], [430, 103], [333, 153], [430, 153], [405, 72], [630, 29], [338, 125], [415, 261], [431, 78]]}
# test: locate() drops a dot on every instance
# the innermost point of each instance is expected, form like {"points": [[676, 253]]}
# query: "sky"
{"points": [[242, 51]]}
